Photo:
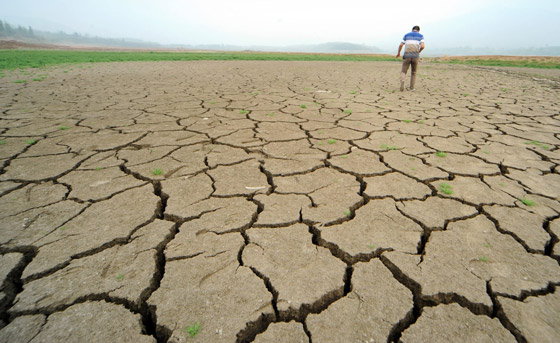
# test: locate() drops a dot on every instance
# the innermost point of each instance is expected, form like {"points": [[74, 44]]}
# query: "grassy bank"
{"points": [[504, 61], [13, 59]]}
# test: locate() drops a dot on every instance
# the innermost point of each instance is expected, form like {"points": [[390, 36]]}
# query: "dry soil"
{"points": [[245, 201]]}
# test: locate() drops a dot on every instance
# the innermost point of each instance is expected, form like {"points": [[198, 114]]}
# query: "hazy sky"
{"points": [[446, 23]]}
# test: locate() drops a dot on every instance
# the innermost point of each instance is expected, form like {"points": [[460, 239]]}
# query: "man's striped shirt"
{"points": [[411, 43]]}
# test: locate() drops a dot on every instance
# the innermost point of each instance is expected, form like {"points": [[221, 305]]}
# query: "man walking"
{"points": [[413, 43]]}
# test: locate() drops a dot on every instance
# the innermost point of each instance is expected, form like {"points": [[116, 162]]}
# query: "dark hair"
{"points": [[416, 28]]}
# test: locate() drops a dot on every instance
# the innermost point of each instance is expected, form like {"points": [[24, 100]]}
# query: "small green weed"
{"points": [[243, 112], [421, 121], [408, 121], [441, 154], [485, 152], [347, 213], [505, 90], [544, 146], [303, 106], [320, 132], [368, 110], [212, 102], [353, 92], [465, 94], [486, 245], [157, 171], [120, 277], [331, 141], [388, 147], [30, 141], [344, 156], [63, 228], [445, 188], [64, 127], [527, 202], [193, 330], [501, 184], [97, 168], [20, 81], [348, 111], [372, 247], [307, 89], [483, 259], [2, 142]]}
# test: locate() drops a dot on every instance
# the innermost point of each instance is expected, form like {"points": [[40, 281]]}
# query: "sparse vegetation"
{"points": [[544, 146], [120, 277], [445, 188], [527, 202], [30, 141], [441, 154], [243, 112], [157, 171], [193, 330], [331, 141], [483, 259], [303, 106], [2, 142], [64, 127], [372, 247], [347, 213], [348, 111], [388, 147]]}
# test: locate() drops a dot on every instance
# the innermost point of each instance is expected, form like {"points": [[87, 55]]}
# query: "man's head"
{"points": [[416, 28]]}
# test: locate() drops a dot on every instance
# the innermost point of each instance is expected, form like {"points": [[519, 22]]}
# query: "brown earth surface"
{"points": [[220, 201]]}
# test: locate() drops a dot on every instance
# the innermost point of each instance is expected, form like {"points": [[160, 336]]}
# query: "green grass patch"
{"points": [[120, 277], [522, 63], [193, 330], [527, 202], [388, 147], [64, 127], [157, 171], [20, 81], [331, 141], [441, 154], [445, 188], [243, 112], [544, 146], [348, 111], [303, 106], [483, 259], [13, 59], [30, 141], [347, 213], [408, 121]]}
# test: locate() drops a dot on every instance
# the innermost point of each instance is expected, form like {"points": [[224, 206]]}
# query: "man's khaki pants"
{"points": [[405, 64]]}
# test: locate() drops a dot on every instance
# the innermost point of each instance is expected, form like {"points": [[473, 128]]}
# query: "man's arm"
{"points": [[421, 47], [400, 48]]}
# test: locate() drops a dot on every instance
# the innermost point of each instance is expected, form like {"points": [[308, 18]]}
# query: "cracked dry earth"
{"points": [[279, 202]]}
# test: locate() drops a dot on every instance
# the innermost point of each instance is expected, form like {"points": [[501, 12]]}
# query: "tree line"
{"points": [[28, 35]]}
